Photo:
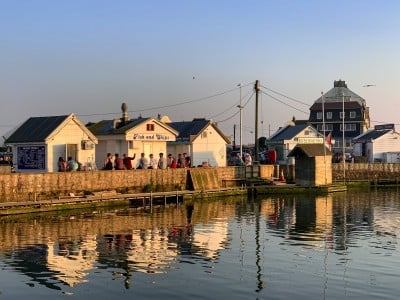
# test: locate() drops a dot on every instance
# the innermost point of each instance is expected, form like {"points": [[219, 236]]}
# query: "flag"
{"points": [[329, 139]]}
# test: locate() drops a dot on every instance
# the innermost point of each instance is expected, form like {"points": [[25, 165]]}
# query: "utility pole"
{"points": [[257, 89], [241, 120], [234, 136]]}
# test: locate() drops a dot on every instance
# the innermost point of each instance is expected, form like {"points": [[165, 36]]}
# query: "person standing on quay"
{"points": [[171, 162], [181, 161], [62, 165], [247, 159], [152, 162], [162, 162], [72, 164], [188, 162], [118, 162], [108, 162], [143, 162], [128, 161]]}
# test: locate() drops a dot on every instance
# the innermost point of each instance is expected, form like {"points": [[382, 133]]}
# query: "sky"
{"points": [[196, 59]]}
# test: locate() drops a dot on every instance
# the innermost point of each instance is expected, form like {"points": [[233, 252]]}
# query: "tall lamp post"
{"points": [[343, 143], [240, 126]]}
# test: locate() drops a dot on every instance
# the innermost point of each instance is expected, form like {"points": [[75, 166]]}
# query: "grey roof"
{"points": [[288, 132], [36, 129], [106, 127], [310, 150], [340, 92], [187, 129], [370, 135]]}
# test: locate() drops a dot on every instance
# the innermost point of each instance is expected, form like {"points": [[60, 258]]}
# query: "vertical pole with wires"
{"points": [[257, 89], [241, 120], [343, 142], [323, 129]]}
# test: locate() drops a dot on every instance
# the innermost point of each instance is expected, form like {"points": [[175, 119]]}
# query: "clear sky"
{"points": [[185, 59]]}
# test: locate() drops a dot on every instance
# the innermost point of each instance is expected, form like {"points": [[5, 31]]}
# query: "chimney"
{"points": [[124, 108], [339, 83]]}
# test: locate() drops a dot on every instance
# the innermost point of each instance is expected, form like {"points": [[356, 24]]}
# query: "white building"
{"points": [[131, 137], [286, 138], [202, 140], [40, 141], [381, 144]]}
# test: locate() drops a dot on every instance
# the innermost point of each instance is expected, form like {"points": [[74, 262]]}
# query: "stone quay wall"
{"points": [[365, 171], [19, 187]]}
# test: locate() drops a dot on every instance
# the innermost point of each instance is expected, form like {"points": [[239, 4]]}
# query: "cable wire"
{"points": [[237, 111], [287, 97], [276, 99]]}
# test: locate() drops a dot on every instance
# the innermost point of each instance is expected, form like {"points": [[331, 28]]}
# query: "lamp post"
{"points": [[240, 126], [343, 143]]}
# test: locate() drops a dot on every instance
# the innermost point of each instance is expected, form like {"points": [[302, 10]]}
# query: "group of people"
{"points": [[125, 163], [68, 166], [183, 161], [246, 162]]}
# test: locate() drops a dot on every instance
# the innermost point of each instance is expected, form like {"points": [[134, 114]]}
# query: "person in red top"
{"points": [[128, 161], [118, 162]]}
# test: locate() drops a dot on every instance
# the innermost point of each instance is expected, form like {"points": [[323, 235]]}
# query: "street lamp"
{"points": [[240, 126], [343, 143]]}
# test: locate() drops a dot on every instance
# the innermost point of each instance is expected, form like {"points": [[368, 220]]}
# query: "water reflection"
{"points": [[68, 250]]}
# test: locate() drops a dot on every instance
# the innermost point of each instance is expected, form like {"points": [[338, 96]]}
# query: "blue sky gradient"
{"points": [[170, 57]]}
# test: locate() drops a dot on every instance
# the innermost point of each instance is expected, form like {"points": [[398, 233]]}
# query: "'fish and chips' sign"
{"points": [[151, 137]]}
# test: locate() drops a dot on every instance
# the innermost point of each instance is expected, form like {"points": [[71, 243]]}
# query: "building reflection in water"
{"points": [[55, 250]]}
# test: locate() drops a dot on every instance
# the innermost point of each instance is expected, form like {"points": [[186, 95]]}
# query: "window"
{"points": [[342, 114], [130, 144], [306, 132], [348, 127], [150, 127], [319, 115], [328, 127], [329, 115], [352, 114]]}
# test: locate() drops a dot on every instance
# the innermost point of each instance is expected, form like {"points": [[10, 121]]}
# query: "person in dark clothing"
{"points": [[118, 163], [108, 162], [128, 161]]}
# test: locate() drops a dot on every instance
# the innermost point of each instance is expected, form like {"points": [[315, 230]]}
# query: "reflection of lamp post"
{"points": [[240, 126]]}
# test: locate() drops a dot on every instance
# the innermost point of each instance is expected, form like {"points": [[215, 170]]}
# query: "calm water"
{"points": [[340, 246]]}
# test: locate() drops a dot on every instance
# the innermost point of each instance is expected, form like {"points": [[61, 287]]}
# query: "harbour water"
{"points": [[338, 246]]}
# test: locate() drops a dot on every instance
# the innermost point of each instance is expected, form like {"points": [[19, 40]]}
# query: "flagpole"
{"points": [[323, 129]]}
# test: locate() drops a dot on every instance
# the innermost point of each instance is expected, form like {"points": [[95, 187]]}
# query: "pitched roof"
{"points": [[187, 129], [115, 127], [340, 93], [310, 150], [288, 132], [106, 127], [36, 129], [370, 135]]}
